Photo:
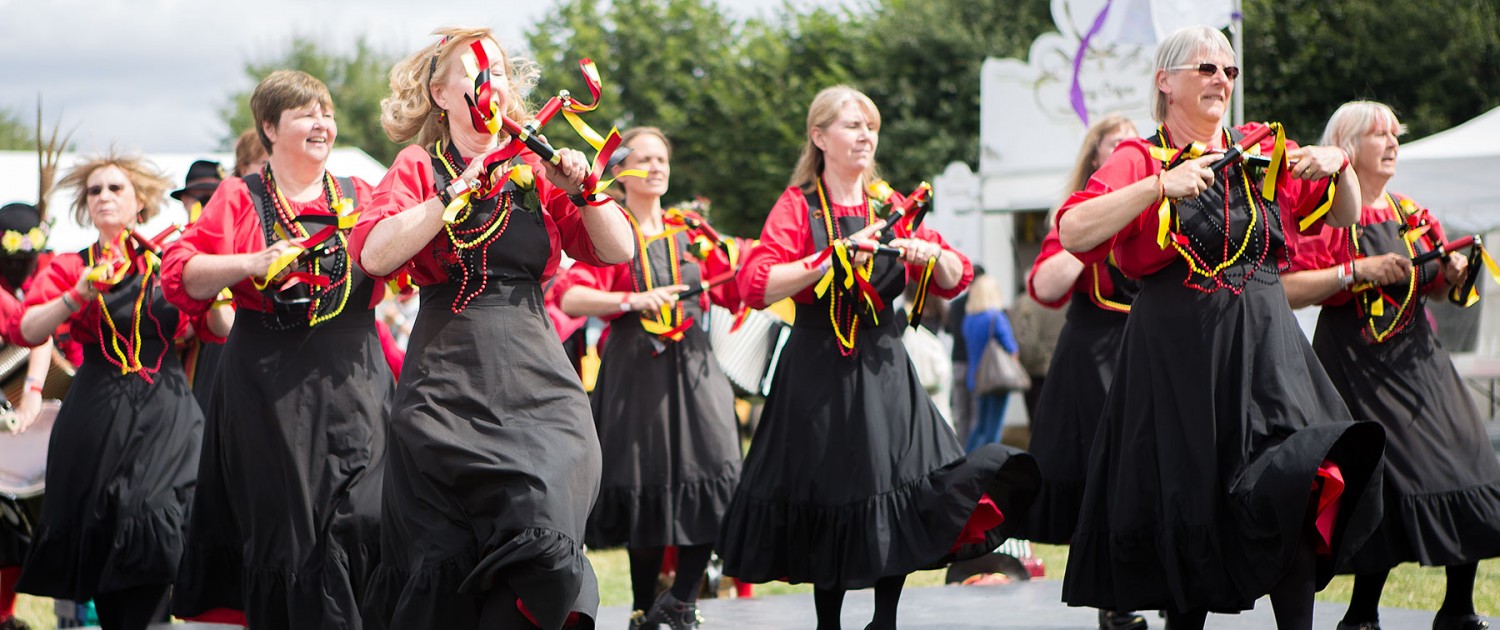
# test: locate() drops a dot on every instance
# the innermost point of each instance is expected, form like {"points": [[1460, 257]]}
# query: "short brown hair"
{"points": [[149, 182], [247, 150], [283, 90]]}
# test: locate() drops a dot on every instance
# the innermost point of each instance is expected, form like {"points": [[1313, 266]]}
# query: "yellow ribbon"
{"points": [[283, 261]]}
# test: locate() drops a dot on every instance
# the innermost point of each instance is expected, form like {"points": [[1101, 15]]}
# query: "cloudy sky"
{"points": [[152, 75]]}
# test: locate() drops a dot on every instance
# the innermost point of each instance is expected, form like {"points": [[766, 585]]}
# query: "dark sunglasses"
{"points": [[96, 189], [1210, 69]]}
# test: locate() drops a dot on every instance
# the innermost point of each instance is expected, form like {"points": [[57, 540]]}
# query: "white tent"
{"points": [[18, 180], [1455, 173]]}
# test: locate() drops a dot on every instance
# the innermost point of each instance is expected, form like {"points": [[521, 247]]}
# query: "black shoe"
{"points": [[1364, 625], [1458, 622], [677, 615], [13, 623], [1111, 620]]}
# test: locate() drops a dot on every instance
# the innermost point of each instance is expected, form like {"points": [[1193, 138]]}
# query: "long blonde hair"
{"points": [[984, 295], [1083, 165], [409, 112], [824, 110], [149, 182]]}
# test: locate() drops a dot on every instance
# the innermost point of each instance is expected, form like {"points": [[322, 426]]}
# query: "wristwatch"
{"points": [[578, 199]]}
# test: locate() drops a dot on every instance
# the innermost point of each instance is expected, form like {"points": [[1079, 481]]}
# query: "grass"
{"points": [[1410, 586]]}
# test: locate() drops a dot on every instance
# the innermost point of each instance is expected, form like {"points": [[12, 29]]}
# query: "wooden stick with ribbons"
{"points": [[910, 209]]}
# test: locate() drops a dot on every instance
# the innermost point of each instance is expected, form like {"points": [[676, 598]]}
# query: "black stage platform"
{"points": [[1031, 605]]}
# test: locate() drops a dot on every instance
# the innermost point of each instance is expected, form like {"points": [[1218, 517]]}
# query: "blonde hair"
{"points": [[629, 137], [1084, 166], [283, 90], [409, 112], [149, 182], [984, 295], [247, 151], [1353, 119], [1178, 49], [825, 109]]}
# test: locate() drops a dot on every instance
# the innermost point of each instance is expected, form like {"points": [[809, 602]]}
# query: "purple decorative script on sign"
{"points": [[1076, 94]]}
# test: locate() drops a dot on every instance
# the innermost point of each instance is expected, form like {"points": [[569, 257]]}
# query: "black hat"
{"points": [[203, 176], [19, 217]]}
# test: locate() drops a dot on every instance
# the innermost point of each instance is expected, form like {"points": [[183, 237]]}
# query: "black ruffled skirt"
{"points": [[1062, 433], [121, 469], [669, 439], [853, 475], [1199, 480], [1442, 482], [286, 520], [493, 467]]}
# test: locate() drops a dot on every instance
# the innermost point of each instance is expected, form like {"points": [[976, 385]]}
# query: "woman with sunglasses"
{"points": [[123, 458], [1098, 296], [285, 523], [1442, 483], [1225, 466], [494, 459]]}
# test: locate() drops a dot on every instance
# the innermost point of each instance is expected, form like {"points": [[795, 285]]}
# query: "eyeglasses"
{"points": [[96, 189], [1210, 69]]}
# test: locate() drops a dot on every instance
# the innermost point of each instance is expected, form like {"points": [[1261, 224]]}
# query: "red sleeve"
{"points": [[408, 183], [784, 238], [59, 277], [727, 294], [1134, 245], [10, 318], [230, 224], [606, 278], [1051, 246], [914, 272], [564, 221], [394, 355]]}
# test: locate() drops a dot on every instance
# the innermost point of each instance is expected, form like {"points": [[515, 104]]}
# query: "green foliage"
{"points": [[357, 83], [733, 96], [15, 134], [1436, 63]]}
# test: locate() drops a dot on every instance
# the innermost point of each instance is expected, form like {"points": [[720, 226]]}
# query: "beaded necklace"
{"points": [[128, 358], [1190, 248], [1370, 303], [339, 269], [666, 320], [488, 231], [846, 317]]}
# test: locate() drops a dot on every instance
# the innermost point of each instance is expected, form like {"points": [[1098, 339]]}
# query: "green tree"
{"points": [[1436, 63], [15, 135], [357, 82]]}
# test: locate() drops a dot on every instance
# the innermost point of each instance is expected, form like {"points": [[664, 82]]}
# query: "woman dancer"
{"points": [[1219, 420], [494, 462]]}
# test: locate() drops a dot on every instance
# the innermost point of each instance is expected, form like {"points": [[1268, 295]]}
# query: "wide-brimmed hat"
{"points": [[202, 176]]}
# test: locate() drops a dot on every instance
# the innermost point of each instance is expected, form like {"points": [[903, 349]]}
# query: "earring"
{"points": [[1170, 100], [442, 115]]}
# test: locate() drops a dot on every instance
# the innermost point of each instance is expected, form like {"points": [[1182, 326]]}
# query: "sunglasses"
{"points": [[96, 189], [1210, 69]]}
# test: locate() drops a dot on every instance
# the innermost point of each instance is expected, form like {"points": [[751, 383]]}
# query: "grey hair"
{"points": [[1353, 119], [1180, 48]]}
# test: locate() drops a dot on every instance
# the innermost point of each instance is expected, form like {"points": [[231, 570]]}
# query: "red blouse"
{"points": [[11, 309], [618, 278], [411, 181], [787, 237], [1135, 246], [230, 224], [1052, 246], [1329, 246], [61, 276]]}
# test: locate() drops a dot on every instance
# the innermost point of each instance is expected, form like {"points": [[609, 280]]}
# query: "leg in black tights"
{"points": [[1458, 601], [645, 565], [500, 610], [1186, 620], [691, 562], [132, 608], [1364, 603], [1292, 598], [829, 604], [887, 598]]}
